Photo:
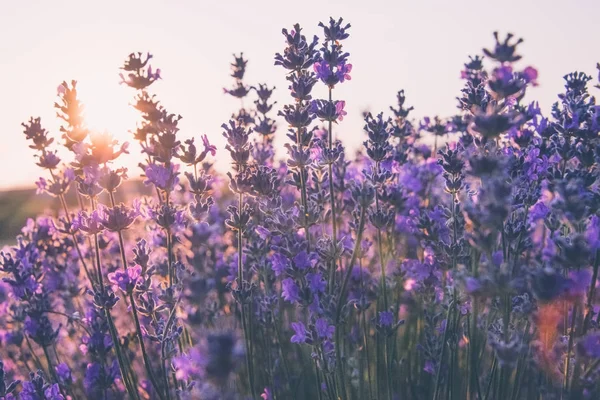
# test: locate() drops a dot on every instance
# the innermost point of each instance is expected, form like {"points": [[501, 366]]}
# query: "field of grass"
{"points": [[17, 205]]}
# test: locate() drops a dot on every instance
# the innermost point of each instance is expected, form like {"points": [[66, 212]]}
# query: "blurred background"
{"points": [[416, 46]]}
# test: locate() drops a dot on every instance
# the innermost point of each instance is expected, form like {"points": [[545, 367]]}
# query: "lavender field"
{"points": [[449, 258]]}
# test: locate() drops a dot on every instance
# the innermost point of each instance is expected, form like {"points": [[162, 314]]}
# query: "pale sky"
{"points": [[419, 46]]}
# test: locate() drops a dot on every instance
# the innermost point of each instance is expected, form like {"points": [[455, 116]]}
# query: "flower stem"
{"points": [[341, 298], [333, 264], [303, 195], [247, 339], [143, 348], [51, 369], [438, 379]]}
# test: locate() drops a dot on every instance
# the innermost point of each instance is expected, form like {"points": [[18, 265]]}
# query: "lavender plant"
{"points": [[451, 257]]}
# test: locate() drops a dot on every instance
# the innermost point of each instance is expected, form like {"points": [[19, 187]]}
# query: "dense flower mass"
{"points": [[452, 257]]}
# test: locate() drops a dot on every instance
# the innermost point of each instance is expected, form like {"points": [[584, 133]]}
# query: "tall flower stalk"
{"points": [[332, 69]]}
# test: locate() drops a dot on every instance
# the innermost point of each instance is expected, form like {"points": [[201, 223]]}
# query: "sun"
{"points": [[108, 109]]}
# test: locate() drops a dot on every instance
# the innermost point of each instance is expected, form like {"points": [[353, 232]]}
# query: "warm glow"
{"points": [[108, 109]]}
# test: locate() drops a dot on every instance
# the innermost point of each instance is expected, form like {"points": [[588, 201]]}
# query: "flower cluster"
{"points": [[451, 257]]}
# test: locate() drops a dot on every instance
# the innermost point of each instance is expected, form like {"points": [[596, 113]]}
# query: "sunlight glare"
{"points": [[108, 109]]}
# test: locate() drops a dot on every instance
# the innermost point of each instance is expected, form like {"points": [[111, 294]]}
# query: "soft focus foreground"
{"points": [[462, 268]]}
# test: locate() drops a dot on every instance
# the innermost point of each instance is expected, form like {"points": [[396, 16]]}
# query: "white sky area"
{"points": [[419, 46]]}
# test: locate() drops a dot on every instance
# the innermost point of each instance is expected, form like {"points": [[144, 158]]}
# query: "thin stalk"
{"points": [[36, 359], [52, 370], [98, 264], [341, 298], [143, 348], [591, 369], [519, 373], [75, 242], [286, 369], [333, 265], [492, 375], [474, 386], [318, 380], [83, 264], [569, 349], [438, 379], [366, 344], [170, 248], [249, 363], [170, 258], [592, 292], [163, 346], [303, 195], [384, 292], [120, 359]]}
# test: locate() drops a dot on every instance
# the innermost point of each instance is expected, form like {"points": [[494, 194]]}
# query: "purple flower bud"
{"points": [[300, 333], [290, 291], [324, 329], [126, 280], [279, 263], [386, 318]]}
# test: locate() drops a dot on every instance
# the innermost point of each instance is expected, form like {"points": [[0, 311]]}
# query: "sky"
{"points": [[418, 46]]}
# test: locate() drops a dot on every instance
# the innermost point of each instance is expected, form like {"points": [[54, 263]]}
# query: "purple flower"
{"points": [[119, 217], [208, 147], [262, 232], [266, 395], [322, 70], [530, 75], [53, 393], [303, 261], [162, 177], [42, 185], [589, 346], [98, 377], [300, 334], [48, 160], [279, 263], [343, 72], [324, 329], [316, 283], [339, 109], [539, 211], [64, 374], [429, 367], [88, 223], [328, 110], [126, 280], [593, 233], [290, 291], [386, 318], [335, 31]]}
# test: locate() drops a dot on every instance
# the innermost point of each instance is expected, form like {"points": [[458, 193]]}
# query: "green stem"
{"points": [[591, 293], [163, 346], [366, 339], [247, 339], [120, 359], [303, 195], [147, 363], [51, 369], [342, 296], [569, 349], [438, 379], [333, 265]]}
